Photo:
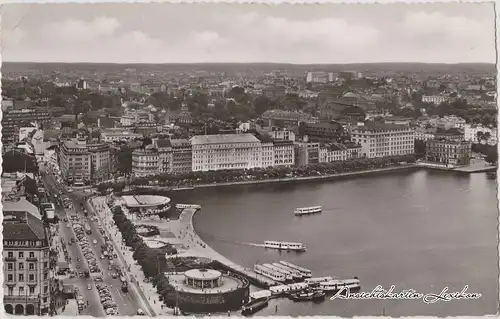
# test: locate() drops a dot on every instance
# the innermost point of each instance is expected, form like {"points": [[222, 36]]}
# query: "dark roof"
{"points": [[163, 143], [22, 226], [376, 127], [263, 138], [282, 142]]}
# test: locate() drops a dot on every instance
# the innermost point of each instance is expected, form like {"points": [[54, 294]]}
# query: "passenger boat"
{"points": [[317, 280], [336, 285], [254, 306], [281, 245], [307, 210], [295, 273], [306, 273], [288, 275], [269, 273]]}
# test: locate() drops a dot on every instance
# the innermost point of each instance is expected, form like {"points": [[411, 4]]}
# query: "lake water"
{"points": [[421, 230]]}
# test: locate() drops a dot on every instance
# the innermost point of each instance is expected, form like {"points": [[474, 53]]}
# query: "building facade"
{"points": [[225, 151], [379, 140], [306, 153], [26, 264], [284, 153], [450, 152], [83, 163], [182, 156], [145, 162], [325, 132], [339, 152], [12, 120]]}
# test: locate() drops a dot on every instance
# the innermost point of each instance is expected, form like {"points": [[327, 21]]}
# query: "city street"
{"points": [[127, 302], [94, 309]]}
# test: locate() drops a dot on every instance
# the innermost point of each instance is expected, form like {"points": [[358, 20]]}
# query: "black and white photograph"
{"points": [[230, 159]]}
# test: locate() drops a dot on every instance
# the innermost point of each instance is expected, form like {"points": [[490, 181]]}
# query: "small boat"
{"points": [[254, 306], [307, 210], [288, 275], [302, 296], [295, 273], [318, 296], [281, 245]]}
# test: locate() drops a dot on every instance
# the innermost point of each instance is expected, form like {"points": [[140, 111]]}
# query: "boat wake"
{"points": [[234, 242]]}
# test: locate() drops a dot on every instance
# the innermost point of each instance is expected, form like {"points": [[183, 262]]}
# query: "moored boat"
{"points": [[254, 306], [288, 275], [302, 296], [269, 273], [281, 245], [306, 273], [295, 273], [338, 284], [307, 210]]}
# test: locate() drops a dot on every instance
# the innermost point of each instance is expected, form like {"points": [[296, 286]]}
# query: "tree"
{"points": [[492, 158], [420, 148]]}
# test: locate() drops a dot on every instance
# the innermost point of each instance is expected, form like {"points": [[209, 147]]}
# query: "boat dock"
{"points": [[204, 250]]}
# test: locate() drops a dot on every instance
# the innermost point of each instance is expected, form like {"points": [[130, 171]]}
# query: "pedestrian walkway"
{"points": [[146, 290]]}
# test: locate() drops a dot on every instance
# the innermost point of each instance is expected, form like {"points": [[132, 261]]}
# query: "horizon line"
{"points": [[286, 63]]}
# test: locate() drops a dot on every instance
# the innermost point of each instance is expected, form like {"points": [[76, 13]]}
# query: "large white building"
{"points": [[379, 140], [435, 99], [225, 151]]}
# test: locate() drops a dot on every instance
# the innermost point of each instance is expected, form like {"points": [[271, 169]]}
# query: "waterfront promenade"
{"points": [[286, 179], [187, 234]]}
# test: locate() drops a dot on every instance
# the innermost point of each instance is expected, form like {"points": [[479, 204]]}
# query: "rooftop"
{"points": [[376, 127], [223, 139], [22, 226]]}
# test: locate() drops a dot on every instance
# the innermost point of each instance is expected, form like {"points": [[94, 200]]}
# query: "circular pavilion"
{"points": [[203, 278]]}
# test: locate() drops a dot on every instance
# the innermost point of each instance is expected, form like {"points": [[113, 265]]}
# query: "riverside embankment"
{"points": [[186, 233], [287, 179]]}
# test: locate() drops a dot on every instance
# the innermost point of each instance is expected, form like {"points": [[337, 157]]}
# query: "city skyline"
{"points": [[236, 33]]}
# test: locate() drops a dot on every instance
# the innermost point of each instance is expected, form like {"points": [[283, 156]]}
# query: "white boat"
{"points": [[317, 280], [307, 210], [295, 273], [269, 273], [281, 245], [288, 275], [304, 271], [337, 284]]}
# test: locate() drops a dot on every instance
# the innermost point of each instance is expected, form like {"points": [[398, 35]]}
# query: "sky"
{"points": [[300, 34]]}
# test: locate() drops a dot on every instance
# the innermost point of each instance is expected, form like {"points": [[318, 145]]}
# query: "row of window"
{"points": [[31, 277], [22, 292], [31, 266]]}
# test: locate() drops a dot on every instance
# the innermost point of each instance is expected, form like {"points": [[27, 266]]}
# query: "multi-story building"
{"points": [[435, 99], [163, 156], [284, 153], [448, 151], [225, 151], [338, 152], [14, 119], [325, 132], [319, 77], [182, 156], [399, 120], [282, 134], [27, 283], [424, 134], [118, 135], [306, 153], [379, 140], [145, 161], [83, 163]]}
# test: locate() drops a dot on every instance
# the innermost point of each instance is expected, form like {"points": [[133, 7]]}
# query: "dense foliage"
{"points": [[224, 176]]}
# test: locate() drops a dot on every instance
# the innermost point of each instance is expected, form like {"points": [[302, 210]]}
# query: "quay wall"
{"points": [[187, 216], [286, 179]]}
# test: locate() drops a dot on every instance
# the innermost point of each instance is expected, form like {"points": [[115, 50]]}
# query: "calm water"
{"points": [[422, 230]]}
